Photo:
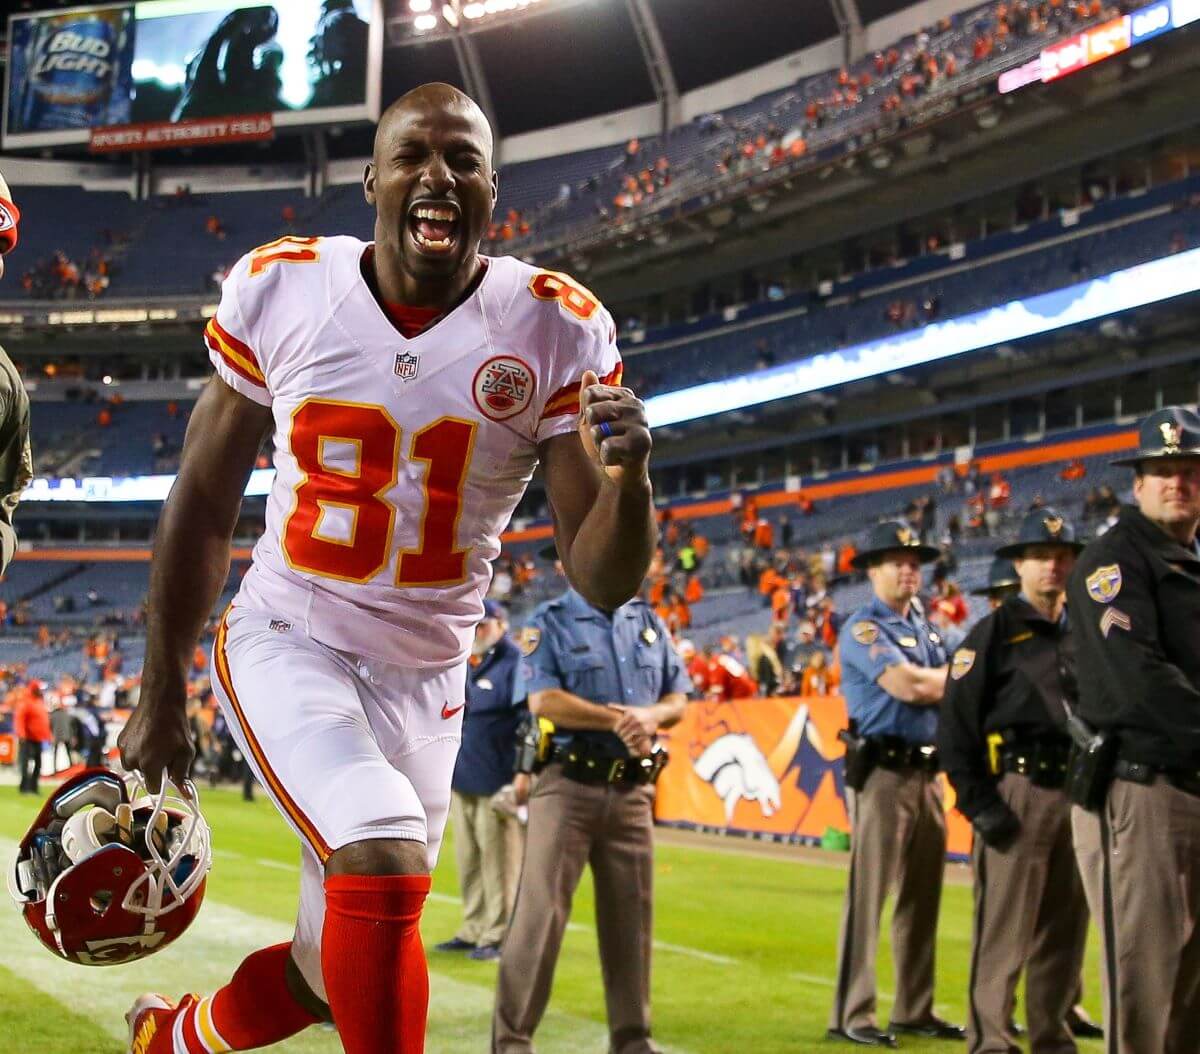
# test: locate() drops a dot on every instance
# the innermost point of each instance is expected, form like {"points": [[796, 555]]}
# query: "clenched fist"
{"points": [[612, 425]]}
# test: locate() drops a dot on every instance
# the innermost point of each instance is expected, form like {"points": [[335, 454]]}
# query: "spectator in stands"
{"points": [[819, 677], [698, 665], [288, 215], [763, 657], [1073, 471], [845, 558], [999, 495], [31, 725], [215, 227], [729, 679]]}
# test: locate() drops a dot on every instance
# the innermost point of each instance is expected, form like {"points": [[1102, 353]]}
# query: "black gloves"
{"points": [[997, 825]]}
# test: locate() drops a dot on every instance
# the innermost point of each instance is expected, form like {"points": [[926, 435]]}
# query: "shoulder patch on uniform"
{"points": [[1114, 618], [503, 387], [528, 640], [961, 664], [865, 632], [1104, 583]]}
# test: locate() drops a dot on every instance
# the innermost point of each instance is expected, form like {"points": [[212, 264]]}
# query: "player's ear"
{"points": [[495, 187], [369, 183]]}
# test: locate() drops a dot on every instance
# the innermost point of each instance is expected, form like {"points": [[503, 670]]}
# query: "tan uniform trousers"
{"points": [[572, 824], [1030, 913], [898, 842], [1140, 861], [487, 848]]}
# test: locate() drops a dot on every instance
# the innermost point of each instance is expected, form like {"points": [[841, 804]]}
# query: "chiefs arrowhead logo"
{"points": [[503, 387]]}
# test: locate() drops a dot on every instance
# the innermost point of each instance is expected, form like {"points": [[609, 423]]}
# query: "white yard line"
{"points": [[578, 927], [206, 956]]}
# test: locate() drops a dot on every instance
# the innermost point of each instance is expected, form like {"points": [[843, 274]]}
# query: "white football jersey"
{"points": [[398, 462]]}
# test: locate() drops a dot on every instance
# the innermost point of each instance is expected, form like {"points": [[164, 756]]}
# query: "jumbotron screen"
{"points": [[302, 61]]}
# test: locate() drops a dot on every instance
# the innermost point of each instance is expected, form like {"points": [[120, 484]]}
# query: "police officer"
{"points": [[1135, 610], [16, 461], [1002, 583], [608, 680], [484, 845], [1003, 742], [893, 677]]}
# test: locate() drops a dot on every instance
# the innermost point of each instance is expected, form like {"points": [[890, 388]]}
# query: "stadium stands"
{"points": [[731, 606], [169, 247]]}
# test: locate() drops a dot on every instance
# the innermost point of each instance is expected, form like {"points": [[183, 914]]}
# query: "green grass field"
{"points": [[745, 956]]}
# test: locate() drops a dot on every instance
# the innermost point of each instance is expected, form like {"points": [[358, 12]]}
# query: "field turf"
{"points": [[744, 959]]}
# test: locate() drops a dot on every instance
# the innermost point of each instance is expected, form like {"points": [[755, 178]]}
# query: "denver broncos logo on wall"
{"points": [[503, 387]]}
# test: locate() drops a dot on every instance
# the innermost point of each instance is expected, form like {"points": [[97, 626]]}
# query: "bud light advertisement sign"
{"points": [[70, 71], [303, 62]]}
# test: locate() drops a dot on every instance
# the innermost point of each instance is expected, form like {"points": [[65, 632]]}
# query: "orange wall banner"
{"points": [[8, 749], [766, 767]]}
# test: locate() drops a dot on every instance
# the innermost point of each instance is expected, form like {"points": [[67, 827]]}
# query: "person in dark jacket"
{"points": [[1003, 743], [1135, 604]]}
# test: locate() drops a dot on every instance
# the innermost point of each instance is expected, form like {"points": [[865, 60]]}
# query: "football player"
{"points": [[16, 460], [411, 386]]}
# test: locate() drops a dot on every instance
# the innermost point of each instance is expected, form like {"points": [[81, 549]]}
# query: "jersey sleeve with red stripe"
{"points": [[583, 344], [230, 337]]}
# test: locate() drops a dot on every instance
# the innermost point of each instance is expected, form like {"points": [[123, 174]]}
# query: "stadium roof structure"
{"points": [[542, 63]]}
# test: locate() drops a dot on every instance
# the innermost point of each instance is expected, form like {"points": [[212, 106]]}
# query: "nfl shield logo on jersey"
{"points": [[406, 366], [503, 387]]}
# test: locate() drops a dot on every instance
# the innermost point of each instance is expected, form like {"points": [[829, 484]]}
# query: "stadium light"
{"points": [[424, 23], [1147, 283], [1124, 290], [419, 6]]}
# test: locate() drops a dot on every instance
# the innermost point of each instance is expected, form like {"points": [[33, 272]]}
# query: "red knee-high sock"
{"points": [[373, 962], [255, 1009]]}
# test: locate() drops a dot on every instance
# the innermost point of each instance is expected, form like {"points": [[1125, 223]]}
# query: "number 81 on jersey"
{"points": [[373, 440]]}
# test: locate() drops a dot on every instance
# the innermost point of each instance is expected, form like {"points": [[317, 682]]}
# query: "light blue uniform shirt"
{"points": [[871, 640], [625, 658]]}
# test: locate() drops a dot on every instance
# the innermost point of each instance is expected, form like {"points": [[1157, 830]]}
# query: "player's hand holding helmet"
{"points": [[156, 737], [109, 872], [612, 425]]}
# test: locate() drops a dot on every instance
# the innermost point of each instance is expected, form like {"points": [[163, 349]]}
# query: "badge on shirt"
{"points": [[865, 632], [528, 639], [961, 664], [908, 642], [1104, 583], [934, 638], [485, 684], [649, 635]]}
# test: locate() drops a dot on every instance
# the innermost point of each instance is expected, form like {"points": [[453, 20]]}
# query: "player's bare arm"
{"points": [[601, 501], [189, 570]]}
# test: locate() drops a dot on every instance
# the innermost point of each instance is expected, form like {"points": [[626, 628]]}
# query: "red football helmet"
{"points": [[108, 872]]}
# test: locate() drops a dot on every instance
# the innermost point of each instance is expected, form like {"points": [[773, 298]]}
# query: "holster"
{"points": [[861, 758], [1090, 764], [533, 744]]}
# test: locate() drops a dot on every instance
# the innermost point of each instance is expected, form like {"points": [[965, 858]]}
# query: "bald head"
{"points": [[430, 102]]}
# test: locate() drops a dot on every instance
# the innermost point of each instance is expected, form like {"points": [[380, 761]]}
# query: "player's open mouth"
{"points": [[434, 227]]}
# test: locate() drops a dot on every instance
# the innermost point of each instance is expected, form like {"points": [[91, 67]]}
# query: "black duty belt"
{"points": [[585, 765], [896, 754], [1184, 779], [1042, 761]]}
